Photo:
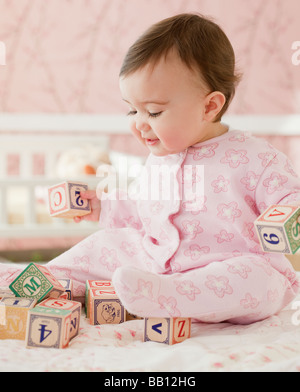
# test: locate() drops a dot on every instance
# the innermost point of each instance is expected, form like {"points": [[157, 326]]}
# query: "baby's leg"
{"points": [[242, 290], [95, 258], [98, 256]]}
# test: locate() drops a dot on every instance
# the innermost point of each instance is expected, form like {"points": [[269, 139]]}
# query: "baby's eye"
{"points": [[155, 114], [131, 113]]}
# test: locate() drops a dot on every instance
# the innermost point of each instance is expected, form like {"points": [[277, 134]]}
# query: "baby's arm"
{"points": [[113, 210], [279, 184]]}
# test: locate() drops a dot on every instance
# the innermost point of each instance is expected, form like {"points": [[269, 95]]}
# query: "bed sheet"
{"points": [[272, 345]]}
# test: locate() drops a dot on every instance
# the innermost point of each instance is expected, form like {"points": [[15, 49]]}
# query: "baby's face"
{"points": [[166, 105]]}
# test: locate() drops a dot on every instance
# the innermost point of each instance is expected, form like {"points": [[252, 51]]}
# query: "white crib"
{"points": [[33, 143]]}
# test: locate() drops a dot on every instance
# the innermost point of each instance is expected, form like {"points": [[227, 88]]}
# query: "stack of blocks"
{"points": [[41, 312]]}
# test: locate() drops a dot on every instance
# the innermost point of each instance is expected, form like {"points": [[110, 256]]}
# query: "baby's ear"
{"points": [[214, 103]]}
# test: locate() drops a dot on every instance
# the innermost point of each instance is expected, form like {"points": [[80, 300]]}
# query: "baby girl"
{"points": [[176, 256]]}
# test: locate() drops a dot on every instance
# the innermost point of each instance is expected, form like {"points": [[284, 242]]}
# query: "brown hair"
{"points": [[201, 45]]}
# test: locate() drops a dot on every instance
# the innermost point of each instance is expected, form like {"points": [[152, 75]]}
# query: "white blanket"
{"points": [[272, 345]]}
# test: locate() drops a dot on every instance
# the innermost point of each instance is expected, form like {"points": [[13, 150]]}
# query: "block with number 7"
{"points": [[278, 229], [65, 200]]}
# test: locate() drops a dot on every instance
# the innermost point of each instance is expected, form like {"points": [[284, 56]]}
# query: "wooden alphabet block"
{"points": [[48, 328], [105, 284], [68, 286], [105, 307], [74, 307], [64, 296], [278, 229], [36, 282], [65, 200], [167, 330], [13, 317]]}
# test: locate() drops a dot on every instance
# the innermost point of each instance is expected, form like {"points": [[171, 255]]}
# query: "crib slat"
{"points": [[25, 165], [30, 212], [3, 161], [3, 206]]}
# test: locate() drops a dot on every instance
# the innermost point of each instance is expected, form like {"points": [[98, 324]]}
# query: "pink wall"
{"points": [[65, 55]]}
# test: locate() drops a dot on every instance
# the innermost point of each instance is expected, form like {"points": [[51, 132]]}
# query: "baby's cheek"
{"points": [[135, 132], [170, 142]]}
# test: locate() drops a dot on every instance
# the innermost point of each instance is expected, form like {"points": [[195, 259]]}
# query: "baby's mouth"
{"points": [[151, 142]]}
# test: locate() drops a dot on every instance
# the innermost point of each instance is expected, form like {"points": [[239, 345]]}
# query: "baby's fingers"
{"points": [[89, 195]]}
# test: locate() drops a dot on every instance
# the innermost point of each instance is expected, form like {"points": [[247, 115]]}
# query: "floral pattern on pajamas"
{"points": [[167, 258]]}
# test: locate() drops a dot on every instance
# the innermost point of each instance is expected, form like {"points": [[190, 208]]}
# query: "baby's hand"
{"points": [[95, 207]]}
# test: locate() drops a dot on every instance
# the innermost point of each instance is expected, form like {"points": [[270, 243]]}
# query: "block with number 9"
{"points": [[278, 229], [65, 200]]}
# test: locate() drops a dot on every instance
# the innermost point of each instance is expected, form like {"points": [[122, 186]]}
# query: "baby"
{"points": [[193, 253]]}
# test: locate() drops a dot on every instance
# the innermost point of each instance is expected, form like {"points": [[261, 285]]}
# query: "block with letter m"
{"points": [[36, 282]]}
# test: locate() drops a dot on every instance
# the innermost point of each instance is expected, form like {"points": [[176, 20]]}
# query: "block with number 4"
{"points": [[65, 200], [278, 229], [74, 307], [48, 328], [167, 330]]}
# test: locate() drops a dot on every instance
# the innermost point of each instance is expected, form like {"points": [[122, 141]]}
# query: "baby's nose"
{"points": [[142, 126]]}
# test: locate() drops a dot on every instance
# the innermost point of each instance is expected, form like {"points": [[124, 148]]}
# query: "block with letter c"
{"points": [[65, 200]]}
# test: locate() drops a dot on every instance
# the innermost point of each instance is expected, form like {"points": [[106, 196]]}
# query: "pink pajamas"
{"points": [[177, 252]]}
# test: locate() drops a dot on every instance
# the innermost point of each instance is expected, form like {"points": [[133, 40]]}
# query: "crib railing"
{"points": [[27, 162], [31, 226]]}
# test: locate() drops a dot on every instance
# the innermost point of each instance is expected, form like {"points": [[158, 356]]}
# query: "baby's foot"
{"points": [[143, 293]]}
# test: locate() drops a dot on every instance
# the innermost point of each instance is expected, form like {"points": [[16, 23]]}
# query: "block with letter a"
{"points": [[65, 200], [167, 330], [278, 229]]}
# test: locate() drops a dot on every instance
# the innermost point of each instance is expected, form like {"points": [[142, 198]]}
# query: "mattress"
{"points": [[272, 345]]}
